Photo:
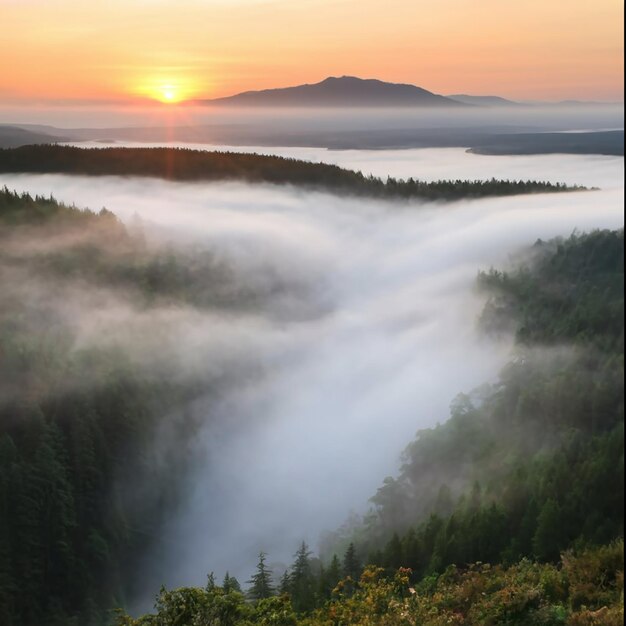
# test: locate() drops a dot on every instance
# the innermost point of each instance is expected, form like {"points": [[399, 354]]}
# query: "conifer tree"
{"points": [[548, 536], [302, 580], [330, 577], [230, 583], [393, 553], [351, 565], [285, 583], [261, 582]]}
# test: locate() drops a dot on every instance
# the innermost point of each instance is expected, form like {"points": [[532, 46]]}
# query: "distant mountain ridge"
{"points": [[13, 136], [344, 91], [483, 100]]}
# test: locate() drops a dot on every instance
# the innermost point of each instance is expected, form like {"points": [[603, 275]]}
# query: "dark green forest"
{"points": [[187, 165], [510, 512]]}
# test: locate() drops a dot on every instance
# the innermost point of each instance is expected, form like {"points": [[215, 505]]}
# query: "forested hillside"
{"points": [[82, 487], [184, 164], [532, 464]]}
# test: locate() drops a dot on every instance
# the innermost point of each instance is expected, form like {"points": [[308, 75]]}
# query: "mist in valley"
{"points": [[349, 324], [509, 129]]}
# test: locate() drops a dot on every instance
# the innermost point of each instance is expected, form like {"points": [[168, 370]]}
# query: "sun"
{"points": [[165, 89], [168, 93]]}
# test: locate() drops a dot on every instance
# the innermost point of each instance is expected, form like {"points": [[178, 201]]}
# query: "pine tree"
{"points": [[351, 565], [261, 582], [411, 550], [330, 577], [285, 583], [393, 553], [230, 584], [548, 536], [351, 569], [302, 581]]}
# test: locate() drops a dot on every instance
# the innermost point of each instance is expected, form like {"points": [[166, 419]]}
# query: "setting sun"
{"points": [[165, 89], [168, 93]]}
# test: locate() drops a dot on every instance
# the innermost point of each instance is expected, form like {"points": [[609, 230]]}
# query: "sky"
{"points": [[53, 51]]}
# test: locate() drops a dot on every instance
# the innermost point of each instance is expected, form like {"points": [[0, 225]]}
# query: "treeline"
{"points": [[569, 292], [308, 583], [585, 589], [188, 165]]}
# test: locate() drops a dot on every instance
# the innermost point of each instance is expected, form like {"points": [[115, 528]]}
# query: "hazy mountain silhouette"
{"points": [[345, 91], [488, 101], [15, 136]]}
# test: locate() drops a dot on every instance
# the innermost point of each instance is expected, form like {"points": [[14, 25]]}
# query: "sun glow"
{"points": [[168, 93], [166, 90]]}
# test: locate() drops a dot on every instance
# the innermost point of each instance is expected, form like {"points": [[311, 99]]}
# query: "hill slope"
{"points": [[532, 464]]}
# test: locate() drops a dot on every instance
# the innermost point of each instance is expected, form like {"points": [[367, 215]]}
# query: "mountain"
{"points": [[15, 136], [587, 103], [489, 101], [345, 91]]}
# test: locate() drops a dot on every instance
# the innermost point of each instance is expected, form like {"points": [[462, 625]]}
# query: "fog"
{"points": [[370, 336], [547, 116]]}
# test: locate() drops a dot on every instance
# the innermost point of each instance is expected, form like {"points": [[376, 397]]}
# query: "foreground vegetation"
{"points": [[584, 589], [187, 165]]}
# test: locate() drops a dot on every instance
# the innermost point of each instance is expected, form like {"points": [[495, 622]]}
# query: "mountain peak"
{"points": [[350, 79], [341, 91]]}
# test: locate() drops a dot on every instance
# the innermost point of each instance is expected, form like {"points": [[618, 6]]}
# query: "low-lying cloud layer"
{"points": [[370, 335]]}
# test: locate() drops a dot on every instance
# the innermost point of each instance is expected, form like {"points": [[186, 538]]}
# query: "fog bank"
{"points": [[539, 116], [372, 345]]}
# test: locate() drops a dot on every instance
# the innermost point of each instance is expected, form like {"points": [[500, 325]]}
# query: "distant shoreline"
{"points": [[495, 141]]}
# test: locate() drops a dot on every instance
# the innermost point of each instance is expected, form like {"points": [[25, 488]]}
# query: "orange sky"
{"points": [[119, 49]]}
